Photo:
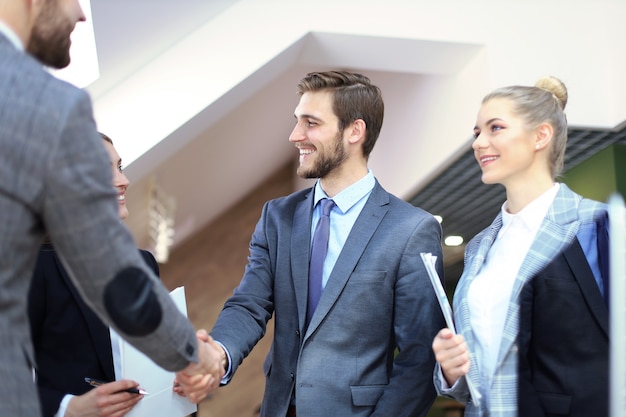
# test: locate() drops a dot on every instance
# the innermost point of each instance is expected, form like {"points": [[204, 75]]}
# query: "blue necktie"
{"points": [[319, 247]]}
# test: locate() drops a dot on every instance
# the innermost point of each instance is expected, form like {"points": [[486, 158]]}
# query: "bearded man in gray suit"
{"points": [[365, 349], [55, 178]]}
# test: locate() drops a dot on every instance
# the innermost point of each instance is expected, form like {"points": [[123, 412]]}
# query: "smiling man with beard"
{"points": [[55, 177], [352, 328]]}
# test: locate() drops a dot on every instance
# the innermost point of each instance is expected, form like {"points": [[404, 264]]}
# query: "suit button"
{"points": [[298, 333], [292, 376]]}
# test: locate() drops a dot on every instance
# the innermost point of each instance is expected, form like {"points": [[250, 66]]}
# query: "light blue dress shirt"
{"points": [[348, 205]]}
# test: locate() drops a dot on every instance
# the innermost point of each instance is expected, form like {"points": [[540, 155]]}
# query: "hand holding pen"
{"points": [[96, 383], [107, 399]]}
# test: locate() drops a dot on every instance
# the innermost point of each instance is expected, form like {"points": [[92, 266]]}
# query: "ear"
{"points": [[543, 136], [356, 131]]}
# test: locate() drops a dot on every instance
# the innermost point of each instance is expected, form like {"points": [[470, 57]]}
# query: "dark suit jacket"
{"points": [[70, 341], [378, 302], [564, 339]]}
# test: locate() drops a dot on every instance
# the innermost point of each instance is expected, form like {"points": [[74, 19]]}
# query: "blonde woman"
{"points": [[529, 308]]}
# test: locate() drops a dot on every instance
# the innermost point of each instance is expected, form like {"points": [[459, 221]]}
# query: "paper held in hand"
{"points": [[162, 400], [429, 262]]}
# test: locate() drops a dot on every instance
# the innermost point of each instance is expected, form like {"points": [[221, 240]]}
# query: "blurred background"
{"points": [[198, 96]]}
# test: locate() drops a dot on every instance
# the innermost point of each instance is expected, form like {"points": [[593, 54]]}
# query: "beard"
{"points": [[326, 163], [50, 38]]}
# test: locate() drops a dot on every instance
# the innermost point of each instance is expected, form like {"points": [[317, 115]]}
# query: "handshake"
{"points": [[198, 380]]}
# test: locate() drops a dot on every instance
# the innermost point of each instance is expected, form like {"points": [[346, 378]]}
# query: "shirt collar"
{"points": [[532, 215], [11, 36], [351, 195]]}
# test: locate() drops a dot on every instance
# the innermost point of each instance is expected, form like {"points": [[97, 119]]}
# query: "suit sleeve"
{"points": [[243, 320], [417, 320], [150, 261], [80, 214], [37, 301], [49, 398]]}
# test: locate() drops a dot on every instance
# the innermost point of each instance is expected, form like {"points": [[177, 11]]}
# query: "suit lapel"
{"points": [[557, 231], [575, 257], [364, 228], [475, 258], [300, 248], [99, 333]]}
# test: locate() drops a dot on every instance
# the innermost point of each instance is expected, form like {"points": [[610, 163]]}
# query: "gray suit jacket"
{"points": [[367, 350], [55, 176]]}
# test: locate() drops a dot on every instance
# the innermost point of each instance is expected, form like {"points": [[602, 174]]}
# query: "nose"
{"points": [[121, 180], [297, 134], [479, 142], [81, 13]]}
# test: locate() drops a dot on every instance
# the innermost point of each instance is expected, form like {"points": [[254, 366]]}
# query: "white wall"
{"points": [[433, 60]]}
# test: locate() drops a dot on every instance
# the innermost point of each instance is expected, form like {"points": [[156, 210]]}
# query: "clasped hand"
{"points": [[198, 380]]}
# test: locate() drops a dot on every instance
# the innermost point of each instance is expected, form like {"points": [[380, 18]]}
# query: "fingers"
{"points": [[178, 389], [107, 400], [203, 335], [452, 354], [117, 386], [198, 380]]}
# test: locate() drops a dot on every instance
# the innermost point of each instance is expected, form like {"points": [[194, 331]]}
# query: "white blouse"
{"points": [[489, 293]]}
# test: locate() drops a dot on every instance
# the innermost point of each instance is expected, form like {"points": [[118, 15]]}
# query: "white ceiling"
{"points": [[242, 59], [130, 34]]}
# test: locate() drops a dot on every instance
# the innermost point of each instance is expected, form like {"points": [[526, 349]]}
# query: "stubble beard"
{"points": [[50, 38], [325, 164]]}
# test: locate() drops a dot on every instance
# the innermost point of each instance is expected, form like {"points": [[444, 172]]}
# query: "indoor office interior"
{"points": [[198, 97]]}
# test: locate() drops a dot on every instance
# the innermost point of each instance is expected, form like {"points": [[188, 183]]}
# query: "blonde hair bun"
{"points": [[554, 86]]}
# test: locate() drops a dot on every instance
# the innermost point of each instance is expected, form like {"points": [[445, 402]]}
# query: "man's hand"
{"points": [[107, 400], [198, 380]]}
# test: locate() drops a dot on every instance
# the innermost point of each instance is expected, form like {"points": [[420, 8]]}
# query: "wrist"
{"points": [[223, 358]]}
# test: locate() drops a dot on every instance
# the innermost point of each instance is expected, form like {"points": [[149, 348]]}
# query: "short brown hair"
{"points": [[354, 97]]}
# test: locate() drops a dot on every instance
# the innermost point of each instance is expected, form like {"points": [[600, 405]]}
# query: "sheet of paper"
{"points": [[430, 264], [161, 400]]}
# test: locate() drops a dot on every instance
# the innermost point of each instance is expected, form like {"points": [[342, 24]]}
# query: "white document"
{"points": [[160, 400], [430, 262]]}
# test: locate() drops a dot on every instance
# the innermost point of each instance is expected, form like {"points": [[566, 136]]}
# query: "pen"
{"points": [[97, 383]]}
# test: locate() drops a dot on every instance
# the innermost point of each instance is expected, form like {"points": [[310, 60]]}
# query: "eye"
{"points": [[311, 123], [496, 127], [120, 169], [476, 133]]}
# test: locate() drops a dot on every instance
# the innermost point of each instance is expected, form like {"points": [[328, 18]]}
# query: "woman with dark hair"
{"points": [[71, 343]]}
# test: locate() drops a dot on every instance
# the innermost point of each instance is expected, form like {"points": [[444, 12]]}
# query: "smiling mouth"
{"points": [[486, 159]]}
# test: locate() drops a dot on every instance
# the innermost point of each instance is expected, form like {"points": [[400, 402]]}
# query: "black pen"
{"points": [[97, 383]]}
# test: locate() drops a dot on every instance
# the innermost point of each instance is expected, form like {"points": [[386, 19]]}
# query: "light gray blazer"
{"points": [[557, 231], [378, 299], [55, 176]]}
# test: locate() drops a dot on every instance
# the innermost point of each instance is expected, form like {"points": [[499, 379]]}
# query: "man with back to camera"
{"points": [[352, 330], [55, 177]]}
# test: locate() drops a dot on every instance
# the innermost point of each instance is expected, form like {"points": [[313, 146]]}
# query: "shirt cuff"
{"points": [[228, 375], [63, 406]]}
